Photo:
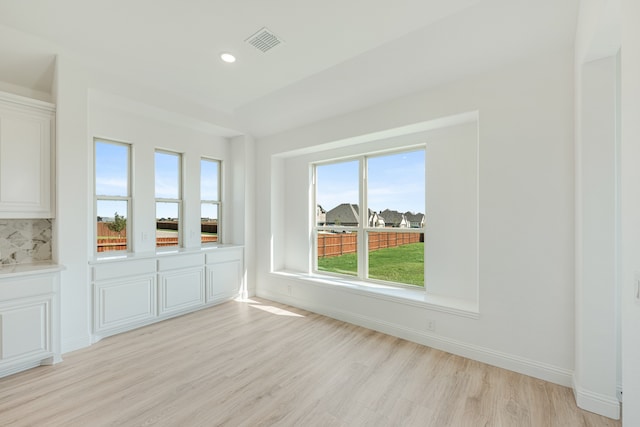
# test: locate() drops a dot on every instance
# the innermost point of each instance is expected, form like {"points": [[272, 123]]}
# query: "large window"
{"points": [[168, 182], [383, 241], [112, 195], [210, 201]]}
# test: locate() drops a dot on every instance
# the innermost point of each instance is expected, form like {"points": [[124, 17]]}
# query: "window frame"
{"points": [[217, 202], [178, 201], [362, 229], [99, 197]]}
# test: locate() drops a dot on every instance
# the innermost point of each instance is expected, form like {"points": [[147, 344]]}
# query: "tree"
{"points": [[119, 223]]}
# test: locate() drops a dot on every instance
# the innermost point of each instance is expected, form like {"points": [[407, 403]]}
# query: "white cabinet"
{"points": [[137, 290], [181, 283], [224, 275], [124, 295], [29, 322], [26, 158]]}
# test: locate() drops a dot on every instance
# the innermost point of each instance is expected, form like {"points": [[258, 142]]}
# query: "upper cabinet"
{"points": [[26, 157]]}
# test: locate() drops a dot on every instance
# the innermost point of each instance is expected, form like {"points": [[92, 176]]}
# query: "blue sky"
{"points": [[112, 177], [395, 182]]}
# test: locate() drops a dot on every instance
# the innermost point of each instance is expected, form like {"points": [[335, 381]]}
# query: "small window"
{"points": [[210, 201], [112, 195], [369, 217], [168, 183]]}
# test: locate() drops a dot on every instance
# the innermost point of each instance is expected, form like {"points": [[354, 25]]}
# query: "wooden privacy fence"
{"points": [[336, 244], [103, 230], [120, 244]]}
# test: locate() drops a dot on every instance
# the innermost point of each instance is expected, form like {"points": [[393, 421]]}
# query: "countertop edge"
{"points": [[18, 270]]}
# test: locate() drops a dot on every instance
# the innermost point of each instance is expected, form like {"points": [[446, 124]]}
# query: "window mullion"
{"points": [[363, 253]]}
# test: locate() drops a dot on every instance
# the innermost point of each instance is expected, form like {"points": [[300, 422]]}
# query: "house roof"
{"points": [[414, 217], [391, 217], [345, 213]]}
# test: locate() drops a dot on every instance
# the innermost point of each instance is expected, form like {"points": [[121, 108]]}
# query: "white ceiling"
{"points": [[337, 55]]}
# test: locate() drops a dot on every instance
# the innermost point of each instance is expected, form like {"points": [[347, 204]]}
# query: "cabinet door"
{"points": [[180, 290], [25, 331], [223, 280], [25, 164], [120, 304]]}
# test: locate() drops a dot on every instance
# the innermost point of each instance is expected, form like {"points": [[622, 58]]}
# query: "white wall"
{"points": [[241, 174], [109, 120], [630, 177], [71, 225], [91, 104], [597, 376], [451, 238], [596, 373], [525, 219]]}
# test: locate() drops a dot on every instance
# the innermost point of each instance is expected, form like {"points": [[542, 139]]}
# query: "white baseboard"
{"points": [[75, 343], [511, 362], [596, 402]]}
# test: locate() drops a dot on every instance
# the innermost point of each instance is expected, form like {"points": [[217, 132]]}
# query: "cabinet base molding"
{"points": [[23, 366]]}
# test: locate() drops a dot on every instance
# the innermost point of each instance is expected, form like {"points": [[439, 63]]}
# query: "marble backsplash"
{"points": [[25, 241]]}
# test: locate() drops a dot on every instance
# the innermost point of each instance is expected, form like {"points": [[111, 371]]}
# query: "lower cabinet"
{"points": [[181, 283], [224, 275], [129, 293], [29, 322]]}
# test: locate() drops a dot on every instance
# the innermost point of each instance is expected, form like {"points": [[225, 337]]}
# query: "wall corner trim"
{"points": [[595, 402]]}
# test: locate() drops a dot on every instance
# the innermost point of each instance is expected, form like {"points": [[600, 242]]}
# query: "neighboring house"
{"points": [[375, 219], [321, 215], [346, 214], [394, 219], [415, 220]]}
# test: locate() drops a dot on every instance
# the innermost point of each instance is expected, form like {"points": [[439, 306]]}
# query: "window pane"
{"points": [[397, 257], [111, 227], [396, 190], [338, 252], [167, 176], [167, 223], [337, 194], [208, 223], [209, 180], [112, 169]]}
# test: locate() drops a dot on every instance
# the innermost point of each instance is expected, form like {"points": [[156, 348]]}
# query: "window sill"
{"points": [[415, 297]]}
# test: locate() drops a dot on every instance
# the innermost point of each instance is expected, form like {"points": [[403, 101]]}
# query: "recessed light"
{"points": [[227, 57]]}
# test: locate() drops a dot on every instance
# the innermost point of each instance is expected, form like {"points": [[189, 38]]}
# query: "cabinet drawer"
{"points": [[180, 261], [21, 287], [114, 270], [224, 255]]}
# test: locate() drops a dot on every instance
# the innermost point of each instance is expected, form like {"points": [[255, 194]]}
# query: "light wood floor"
{"points": [[262, 363]]}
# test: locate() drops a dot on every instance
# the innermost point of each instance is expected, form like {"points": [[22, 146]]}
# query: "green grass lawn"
{"points": [[402, 264]]}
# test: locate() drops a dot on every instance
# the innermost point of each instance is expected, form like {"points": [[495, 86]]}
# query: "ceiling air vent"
{"points": [[264, 40]]}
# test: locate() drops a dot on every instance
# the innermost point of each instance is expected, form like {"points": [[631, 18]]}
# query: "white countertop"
{"points": [[15, 270], [122, 256]]}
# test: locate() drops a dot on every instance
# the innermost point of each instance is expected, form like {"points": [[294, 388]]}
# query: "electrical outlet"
{"points": [[431, 325]]}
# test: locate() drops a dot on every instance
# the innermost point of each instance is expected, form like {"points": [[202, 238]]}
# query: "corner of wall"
{"points": [[595, 402]]}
